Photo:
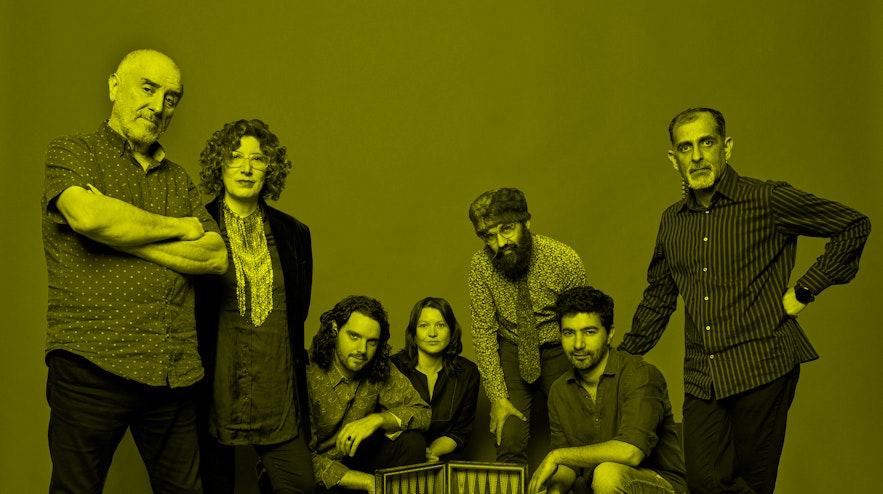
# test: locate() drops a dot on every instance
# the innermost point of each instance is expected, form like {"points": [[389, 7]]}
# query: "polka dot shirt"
{"points": [[128, 316]]}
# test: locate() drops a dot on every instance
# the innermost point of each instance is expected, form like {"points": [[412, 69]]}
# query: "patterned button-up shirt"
{"points": [[554, 267], [336, 401], [131, 317], [731, 264]]}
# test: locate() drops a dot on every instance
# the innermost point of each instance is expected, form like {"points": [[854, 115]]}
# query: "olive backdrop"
{"points": [[397, 114]]}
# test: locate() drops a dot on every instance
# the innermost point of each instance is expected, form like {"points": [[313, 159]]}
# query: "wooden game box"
{"points": [[455, 477]]}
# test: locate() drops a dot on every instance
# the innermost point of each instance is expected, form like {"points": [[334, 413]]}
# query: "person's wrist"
{"points": [[803, 294], [554, 457]]}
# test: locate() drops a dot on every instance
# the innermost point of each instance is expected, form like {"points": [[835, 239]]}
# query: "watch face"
{"points": [[803, 295]]}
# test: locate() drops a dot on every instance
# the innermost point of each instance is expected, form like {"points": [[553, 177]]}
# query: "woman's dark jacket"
{"points": [[294, 245]]}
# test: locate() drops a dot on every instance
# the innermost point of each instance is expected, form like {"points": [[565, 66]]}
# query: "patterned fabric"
{"points": [[528, 339], [731, 263], [251, 259], [336, 401], [554, 268], [631, 405], [253, 386], [128, 316], [293, 243]]}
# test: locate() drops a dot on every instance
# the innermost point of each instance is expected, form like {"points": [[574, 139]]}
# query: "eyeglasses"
{"points": [[506, 230], [257, 161]]}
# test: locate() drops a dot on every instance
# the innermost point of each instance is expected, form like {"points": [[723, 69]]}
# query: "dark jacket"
{"points": [[296, 255]]}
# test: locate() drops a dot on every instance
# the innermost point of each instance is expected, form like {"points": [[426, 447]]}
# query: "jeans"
{"points": [[516, 433], [91, 409], [734, 444]]}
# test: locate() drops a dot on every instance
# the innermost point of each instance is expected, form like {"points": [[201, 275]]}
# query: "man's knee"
{"points": [[610, 477], [514, 441]]}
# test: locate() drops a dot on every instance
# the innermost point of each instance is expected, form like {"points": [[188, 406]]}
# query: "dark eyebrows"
{"points": [[584, 328], [155, 85], [700, 139], [359, 335]]}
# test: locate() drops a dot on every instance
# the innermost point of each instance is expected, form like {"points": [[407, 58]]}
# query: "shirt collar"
{"points": [[121, 145], [336, 377], [614, 358], [727, 186]]}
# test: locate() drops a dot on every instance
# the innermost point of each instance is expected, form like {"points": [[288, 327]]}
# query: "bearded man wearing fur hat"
{"points": [[514, 281]]}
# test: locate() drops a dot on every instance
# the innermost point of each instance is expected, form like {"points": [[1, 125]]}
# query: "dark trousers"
{"points": [[377, 452], [734, 444], [286, 467], [91, 409], [516, 434]]}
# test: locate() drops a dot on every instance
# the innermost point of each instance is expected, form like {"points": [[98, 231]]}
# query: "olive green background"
{"points": [[397, 114]]}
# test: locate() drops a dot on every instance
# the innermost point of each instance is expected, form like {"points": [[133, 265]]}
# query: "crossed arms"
{"points": [[180, 244]]}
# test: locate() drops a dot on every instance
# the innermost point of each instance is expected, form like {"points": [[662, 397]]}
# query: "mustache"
{"points": [[149, 116], [702, 165], [504, 249]]}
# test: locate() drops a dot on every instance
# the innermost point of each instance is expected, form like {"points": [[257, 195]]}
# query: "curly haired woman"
{"points": [[251, 320]]}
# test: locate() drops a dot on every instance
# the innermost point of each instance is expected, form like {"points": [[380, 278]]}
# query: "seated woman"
{"points": [[448, 382]]}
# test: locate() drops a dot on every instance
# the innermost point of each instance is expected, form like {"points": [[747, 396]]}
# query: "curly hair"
{"points": [[585, 299], [406, 358], [220, 147], [323, 350]]}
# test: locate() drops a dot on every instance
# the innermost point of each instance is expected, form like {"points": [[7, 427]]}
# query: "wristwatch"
{"points": [[803, 295]]}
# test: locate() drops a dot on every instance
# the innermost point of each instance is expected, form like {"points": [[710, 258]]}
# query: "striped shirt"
{"points": [[554, 267], [731, 263]]}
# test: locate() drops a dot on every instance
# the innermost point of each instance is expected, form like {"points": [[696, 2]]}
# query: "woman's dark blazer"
{"points": [[296, 254]]}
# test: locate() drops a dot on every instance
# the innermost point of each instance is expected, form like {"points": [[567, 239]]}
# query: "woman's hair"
{"points": [[407, 357], [219, 150], [323, 350]]}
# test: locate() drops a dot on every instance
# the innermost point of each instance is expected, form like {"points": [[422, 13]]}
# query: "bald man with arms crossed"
{"points": [[123, 230]]}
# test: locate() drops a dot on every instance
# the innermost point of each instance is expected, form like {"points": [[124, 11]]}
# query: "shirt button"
{"points": [[711, 357], [708, 328], [704, 270], [707, 211], [706, 297], [705, 239]]}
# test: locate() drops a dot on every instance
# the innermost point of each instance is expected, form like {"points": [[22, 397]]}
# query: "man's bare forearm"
{"points": [[207, 255], [593, 454], [119, 224], [356, 480]]}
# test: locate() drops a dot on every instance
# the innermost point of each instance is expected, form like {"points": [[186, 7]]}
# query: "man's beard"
{"points": [[594, 359], [702, 183], [514, 266]]}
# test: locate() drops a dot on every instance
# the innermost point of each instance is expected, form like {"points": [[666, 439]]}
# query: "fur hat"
{"points": [[506, 205]]}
